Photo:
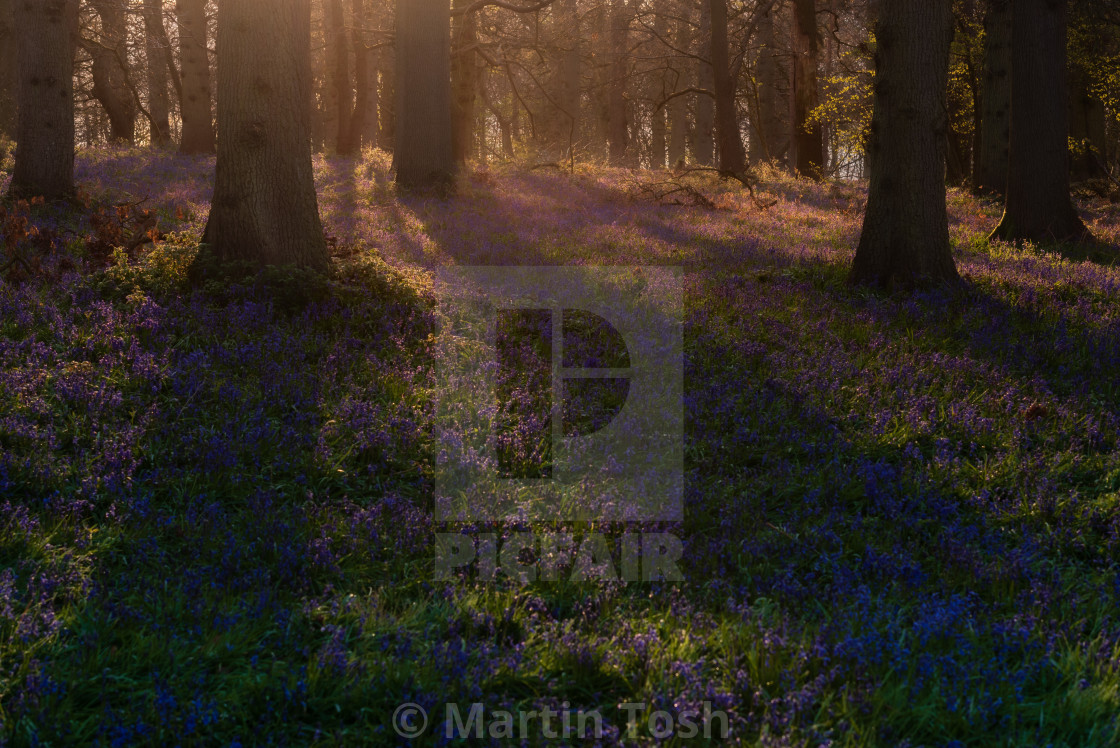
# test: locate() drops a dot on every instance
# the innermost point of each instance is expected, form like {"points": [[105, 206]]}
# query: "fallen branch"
{"points": [[672, 192], [743, 179], [16, 257]]}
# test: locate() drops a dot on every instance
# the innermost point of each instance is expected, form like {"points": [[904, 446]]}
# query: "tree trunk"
{"points": [[111, 86], [463, 80], [1087, 128], [603, 61], [194, 102], [678, 106], [8, 64], [905, 238], [618, 134], [570, 75], [808, 140], [46, 36], [338, 65], [657, 132], [995, 123], [424, 157], [1038, 206], [732, 157], [387, 102], [365, 84], [159, 102], [264, 209], [703, 134], [769, 142]]}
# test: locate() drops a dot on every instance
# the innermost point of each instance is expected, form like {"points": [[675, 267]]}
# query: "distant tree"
{"points": [[807, 139], [342, 93], [905, 238], [194, 100], [618, 131], [678, 106], [732, 156], [704, 124], [995, 122], [156, 54], [46, 39], [769, 137], [423, 157], [1038, 206], [1090, 69], [365, 84], [264, 209], [464, 78], [112, 84]]}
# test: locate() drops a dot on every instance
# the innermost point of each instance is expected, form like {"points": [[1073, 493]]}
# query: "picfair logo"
{"points": [[559, 394], [579, 381]]}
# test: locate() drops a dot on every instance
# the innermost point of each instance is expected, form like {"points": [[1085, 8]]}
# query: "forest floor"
{"points": [[902, 512]]}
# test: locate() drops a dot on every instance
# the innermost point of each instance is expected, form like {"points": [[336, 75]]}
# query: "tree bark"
{"points": [[570, 75], [46, 37], [769, 141], [111, 85], [338, 65], [1038, 206], [732, 156], [678, 106], [387, 102], [905, 238], [703, 134], [159, 102], [8, 65], [194, 102], [424, 157], [618, 132], [264, 209], [464, 80], [808, 139], [365, 84], [995, 133], [1087, 128]]}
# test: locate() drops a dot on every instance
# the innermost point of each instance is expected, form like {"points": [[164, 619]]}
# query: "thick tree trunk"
{"points": [[464, 80], [8, 65], [905, 238], [194, 101], [338, 66], [769, 141], [995, 123], [732, 157], [1038, 206], [424, 158], [703, 133], [159, 102], [111, 86], [46, 36], [678, 106], [264, 209], [618, 132], [808, 139]]}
